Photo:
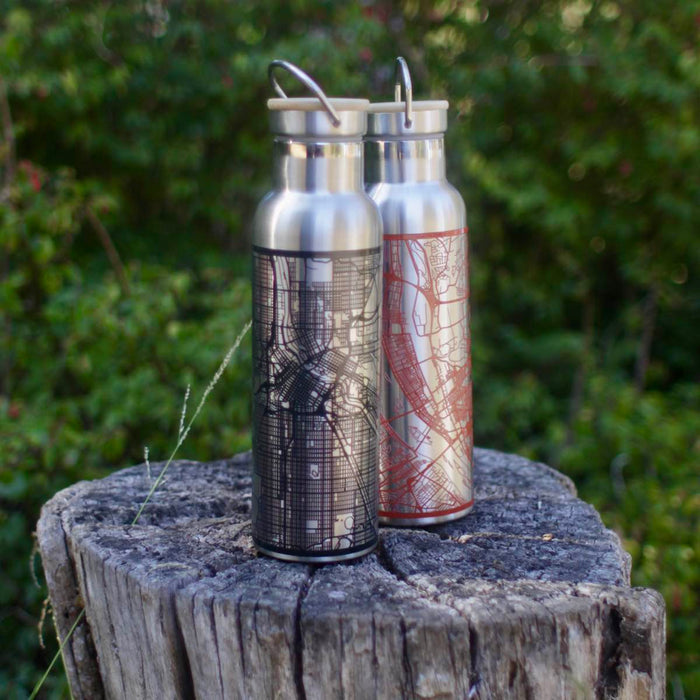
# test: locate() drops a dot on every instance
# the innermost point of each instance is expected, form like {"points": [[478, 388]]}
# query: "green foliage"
{"points": [[649, 493], [575, 135], [171, 96], [100, 376]]}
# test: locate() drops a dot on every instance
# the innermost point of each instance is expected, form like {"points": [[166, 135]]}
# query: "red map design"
{"points": [[426, 421]]}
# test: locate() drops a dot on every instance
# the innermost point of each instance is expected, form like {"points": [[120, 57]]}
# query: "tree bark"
{"points": [[528, 596]]}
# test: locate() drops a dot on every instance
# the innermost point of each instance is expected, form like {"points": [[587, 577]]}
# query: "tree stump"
{"points": [[528, 596]]}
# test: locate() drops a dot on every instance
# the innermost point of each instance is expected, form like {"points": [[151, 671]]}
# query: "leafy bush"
{"points": [[140, 128], [93, 371], [650, 445], [101, 377]]}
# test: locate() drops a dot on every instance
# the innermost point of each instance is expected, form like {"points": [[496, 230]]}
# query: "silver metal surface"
{"points": [[317, 560], [426, 411], [388, 120], [316, 346], [317, 202], [304, 119], [423, 520]]}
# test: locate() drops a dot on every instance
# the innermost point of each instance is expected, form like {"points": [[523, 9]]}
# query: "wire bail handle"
{"points": [[402, 75], [307, 80]]}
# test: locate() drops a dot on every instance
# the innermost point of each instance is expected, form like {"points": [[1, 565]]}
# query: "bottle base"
{"points": [[418, 520], [315, 558]]}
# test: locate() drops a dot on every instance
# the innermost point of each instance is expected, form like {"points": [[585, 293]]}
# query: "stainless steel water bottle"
{"points": [[426, 407], [316, 335]]}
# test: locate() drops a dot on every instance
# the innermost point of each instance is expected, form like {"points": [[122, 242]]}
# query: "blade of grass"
{"points": [[57, 656], [183, 434]]}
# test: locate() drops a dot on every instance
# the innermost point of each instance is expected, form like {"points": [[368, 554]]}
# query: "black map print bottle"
{"points": [[316, 336]]}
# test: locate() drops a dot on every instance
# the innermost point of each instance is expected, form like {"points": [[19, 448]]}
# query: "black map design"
{"points": [[316, 350]]}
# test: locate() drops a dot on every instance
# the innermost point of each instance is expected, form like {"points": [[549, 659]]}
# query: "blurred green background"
{"points": [[134, 149]]}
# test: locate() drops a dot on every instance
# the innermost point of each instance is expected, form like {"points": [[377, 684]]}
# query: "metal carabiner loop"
{"points": [[306, 79], [402, 74]]}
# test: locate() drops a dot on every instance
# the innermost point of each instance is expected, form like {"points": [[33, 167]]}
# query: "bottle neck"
{"points": [[318, 167], [406, 160]]}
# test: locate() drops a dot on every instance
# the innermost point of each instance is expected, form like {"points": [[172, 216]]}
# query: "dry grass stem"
{"points": [[58, 655], [183, 415], [219, 372], [32, 558], [42, 619]]}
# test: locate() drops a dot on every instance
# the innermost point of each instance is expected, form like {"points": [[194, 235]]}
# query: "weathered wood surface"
{"points": [[526, 597]]}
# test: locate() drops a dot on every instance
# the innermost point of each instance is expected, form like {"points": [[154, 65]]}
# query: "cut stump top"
{"points": [[527, 596]]}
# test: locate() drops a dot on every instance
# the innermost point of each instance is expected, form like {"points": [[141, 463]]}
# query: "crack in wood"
{"points": [[187, 681], [405, 659], [608, 683], [474, 679], [239, 630], [298, 651]]}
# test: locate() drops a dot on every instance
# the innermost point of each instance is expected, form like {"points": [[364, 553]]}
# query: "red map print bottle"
{"points": [[426, 434]]}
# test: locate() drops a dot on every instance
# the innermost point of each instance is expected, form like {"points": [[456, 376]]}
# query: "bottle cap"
{"points": [[406, 118], [335, 118]]}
